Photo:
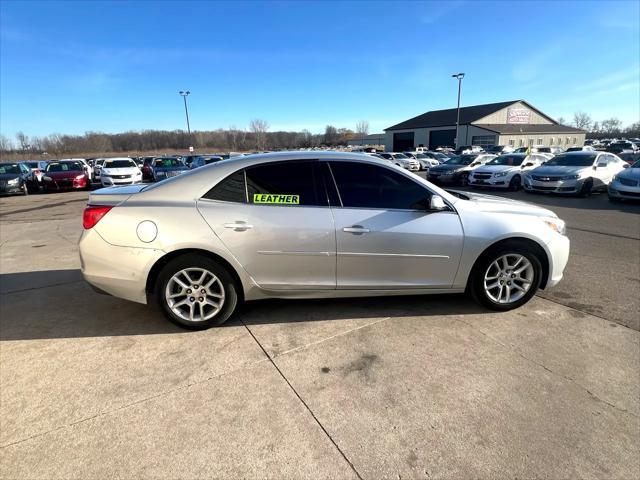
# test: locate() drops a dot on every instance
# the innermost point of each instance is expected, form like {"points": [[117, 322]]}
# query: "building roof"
{"points": [[443, 118], [509, 128]]}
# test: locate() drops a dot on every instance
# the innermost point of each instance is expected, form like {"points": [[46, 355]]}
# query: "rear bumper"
{"points": [[118, 271], [559, 249]]}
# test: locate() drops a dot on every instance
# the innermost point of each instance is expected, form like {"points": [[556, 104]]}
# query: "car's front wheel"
{"points": [[514, 184], [196, 292], [506, 277]]}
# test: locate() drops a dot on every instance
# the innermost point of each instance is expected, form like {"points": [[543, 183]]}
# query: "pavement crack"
{"points": [[544, 367], [302, 401]]}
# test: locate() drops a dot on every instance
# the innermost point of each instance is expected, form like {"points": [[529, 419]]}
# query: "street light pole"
{"points": [[459, 76], [184, 95]]}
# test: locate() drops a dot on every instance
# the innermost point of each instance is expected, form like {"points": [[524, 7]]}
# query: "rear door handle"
{"points": [[356, 229], [239, 226]]}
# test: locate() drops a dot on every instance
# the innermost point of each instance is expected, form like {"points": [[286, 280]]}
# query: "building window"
{"points": [[574, 140], [559, 141], [567, 140], [551, 141], [531, 142], [512, 142], [483, 140], [521, 143], [539, 141]]}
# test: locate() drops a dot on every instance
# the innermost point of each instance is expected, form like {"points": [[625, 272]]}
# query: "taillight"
{"points": [[92, 215]]}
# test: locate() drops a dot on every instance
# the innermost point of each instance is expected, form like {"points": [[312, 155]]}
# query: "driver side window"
{"points": [[362, 185]]}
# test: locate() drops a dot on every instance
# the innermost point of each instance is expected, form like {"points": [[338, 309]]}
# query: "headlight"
{"points": [[570, 177], [13, 182], [615, 178], [47, 179], [79, 177], [556, 224], [501, 174]]}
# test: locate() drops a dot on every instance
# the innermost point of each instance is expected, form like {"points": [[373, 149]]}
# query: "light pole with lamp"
{"points": [[459, 76], [184, 95]]}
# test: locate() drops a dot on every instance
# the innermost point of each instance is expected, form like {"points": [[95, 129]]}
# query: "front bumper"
{"points": [[64, 184], [118, 271], [559, 249], [557, 186], [617, 190], [448, 178], [6, 189], [497, 182], [111, 181]]}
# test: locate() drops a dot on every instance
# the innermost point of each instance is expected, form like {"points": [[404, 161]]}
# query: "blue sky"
{"points": [[71, 67]]}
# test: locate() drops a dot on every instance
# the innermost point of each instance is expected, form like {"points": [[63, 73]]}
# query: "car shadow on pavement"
{"points": [[58, 304]]}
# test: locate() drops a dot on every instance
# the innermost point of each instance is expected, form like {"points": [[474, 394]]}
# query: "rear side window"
{"points": [[363, 185], [285, 184], [231, 189]]}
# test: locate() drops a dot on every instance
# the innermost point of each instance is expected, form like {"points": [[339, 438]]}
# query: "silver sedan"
{"points": [[311, 225]]}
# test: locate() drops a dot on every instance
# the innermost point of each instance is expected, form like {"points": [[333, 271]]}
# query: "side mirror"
{"points": [[528, 165], [437, 203], [602, 165], [626, 165]]}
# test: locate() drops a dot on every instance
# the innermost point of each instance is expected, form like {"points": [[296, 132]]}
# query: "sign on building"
{"points": [[518, 115]]}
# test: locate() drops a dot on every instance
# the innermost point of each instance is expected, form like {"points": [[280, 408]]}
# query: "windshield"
{"points": [[167, 162], [208, 160], [64, 167], [571, 161], [636, 165], [399, 155], [11, 168], [510, 160], [32, 164], [119, 164], [461, 160]]}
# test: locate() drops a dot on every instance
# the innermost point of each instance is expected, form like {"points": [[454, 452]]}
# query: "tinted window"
{"points": [[284, 183], [231, 189], [10, 168], [572, 160], [369, 186], [119, 164]]}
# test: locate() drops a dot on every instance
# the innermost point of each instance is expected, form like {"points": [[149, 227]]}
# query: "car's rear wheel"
{"points": [[464, 179], [506, 277], [25, 189], [196, 292], [514, 184]]}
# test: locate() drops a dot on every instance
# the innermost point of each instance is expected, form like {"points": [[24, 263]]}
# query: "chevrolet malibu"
{"points": [[579, 172], [311, 225], [506, 171]]}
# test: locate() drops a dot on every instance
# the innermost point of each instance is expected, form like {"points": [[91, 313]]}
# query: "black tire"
{"points": [[614, 199], [586, 189], [25, 189], [475, 285], [464, 179], [197, 261], [515, 183]]}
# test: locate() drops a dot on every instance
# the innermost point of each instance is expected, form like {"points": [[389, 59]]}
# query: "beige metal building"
{"points": [[515, 123]]}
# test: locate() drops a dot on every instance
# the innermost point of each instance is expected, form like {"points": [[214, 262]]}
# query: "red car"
{"points": [[65, 176]]}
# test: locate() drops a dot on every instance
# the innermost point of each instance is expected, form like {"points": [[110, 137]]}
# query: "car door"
{"points": [[386, 236], [276, 221], [601, 173]]}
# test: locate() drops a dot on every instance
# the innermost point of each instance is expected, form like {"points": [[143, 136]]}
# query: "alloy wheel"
{"points": [[508, 278], [194, 294]]}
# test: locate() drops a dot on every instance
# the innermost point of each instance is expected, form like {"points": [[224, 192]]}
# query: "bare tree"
{"points": [[259, 129], [23, 141], [5, 144], [562, 121], [610, 126], [582, 121], [362, 128], [331, 136]]}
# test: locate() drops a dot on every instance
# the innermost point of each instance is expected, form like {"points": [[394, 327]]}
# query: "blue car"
{"points": [[165, 167]]}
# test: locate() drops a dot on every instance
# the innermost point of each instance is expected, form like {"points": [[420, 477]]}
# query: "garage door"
{"points": [[403, 142], [441, 138]]}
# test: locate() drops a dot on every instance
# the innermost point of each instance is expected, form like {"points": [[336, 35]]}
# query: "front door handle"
{"points": [[356, 229], [239, 226]]}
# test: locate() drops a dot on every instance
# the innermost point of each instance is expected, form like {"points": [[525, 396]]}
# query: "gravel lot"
{"points": [[404, 387]]}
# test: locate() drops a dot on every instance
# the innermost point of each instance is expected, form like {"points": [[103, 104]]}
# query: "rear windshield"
{"points": [[64, 167], [511, 160], [119, 163], [32, 164], [167, 162], [10, 168], [571, 160]]}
